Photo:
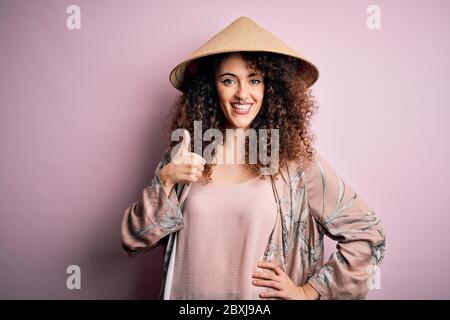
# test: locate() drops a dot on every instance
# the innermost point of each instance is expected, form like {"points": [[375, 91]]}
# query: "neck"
{"points": [[231, 146]]}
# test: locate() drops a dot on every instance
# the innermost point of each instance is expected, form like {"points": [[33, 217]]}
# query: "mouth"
{"points": [[241, 109]]}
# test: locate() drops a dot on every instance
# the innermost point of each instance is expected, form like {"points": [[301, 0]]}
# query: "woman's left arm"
{"points": [[345, 217]]}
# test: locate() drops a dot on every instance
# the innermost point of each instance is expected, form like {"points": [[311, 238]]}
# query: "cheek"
{"points": [[226, 99], [259, 95], [222, 94]]}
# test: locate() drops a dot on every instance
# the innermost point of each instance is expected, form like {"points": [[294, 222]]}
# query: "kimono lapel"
{"points": [[278, 245], [182, 192]]}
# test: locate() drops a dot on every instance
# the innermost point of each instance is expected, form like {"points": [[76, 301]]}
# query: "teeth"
{"points": [[242, 106]]}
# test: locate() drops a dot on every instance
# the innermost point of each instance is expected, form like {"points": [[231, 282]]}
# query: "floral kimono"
{"points": [[311, 203]]}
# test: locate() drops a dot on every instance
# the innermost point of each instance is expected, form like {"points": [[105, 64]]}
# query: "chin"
{"points": [[240, 124], [243, 122]]}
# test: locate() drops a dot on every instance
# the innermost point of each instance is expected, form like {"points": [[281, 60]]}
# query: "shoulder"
{"points": [[318, 178], [311, 169]]}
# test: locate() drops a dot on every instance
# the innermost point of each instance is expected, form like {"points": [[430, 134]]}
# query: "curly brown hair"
{"points": [[288, 105]]}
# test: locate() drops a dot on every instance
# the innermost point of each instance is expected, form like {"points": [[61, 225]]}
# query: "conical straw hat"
{"points": [[243, 34]]}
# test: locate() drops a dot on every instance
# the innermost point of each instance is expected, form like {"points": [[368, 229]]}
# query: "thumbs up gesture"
{"points": [[184, 167]]}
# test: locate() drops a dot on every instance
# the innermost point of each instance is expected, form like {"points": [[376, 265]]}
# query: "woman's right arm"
{"points": [[158, 212], [154, 216]]}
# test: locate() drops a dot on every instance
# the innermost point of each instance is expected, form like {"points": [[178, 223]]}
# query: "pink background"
{"points": [[81, 114]]}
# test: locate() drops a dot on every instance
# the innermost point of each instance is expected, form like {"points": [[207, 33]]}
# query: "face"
{"points": [[240, 90]]}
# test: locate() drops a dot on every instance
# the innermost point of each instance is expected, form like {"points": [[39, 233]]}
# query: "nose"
{"points": [[242, 93]]}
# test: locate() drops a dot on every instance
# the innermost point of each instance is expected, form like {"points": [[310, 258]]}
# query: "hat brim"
{"points": [[244, 34], [308, 72]]}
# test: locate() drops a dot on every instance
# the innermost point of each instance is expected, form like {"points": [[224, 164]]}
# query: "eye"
{"points": [[258, 81], [225, 82]]}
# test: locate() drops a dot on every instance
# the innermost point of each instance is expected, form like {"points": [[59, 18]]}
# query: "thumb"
{"points": [[186, 141], [182, 149], [184, 145]]}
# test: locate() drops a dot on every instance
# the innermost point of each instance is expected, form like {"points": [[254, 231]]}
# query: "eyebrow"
{"points": [[233, 75]]}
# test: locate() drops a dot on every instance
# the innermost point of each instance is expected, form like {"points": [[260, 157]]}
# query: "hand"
{"points": [[283, 285], [184, 167]]}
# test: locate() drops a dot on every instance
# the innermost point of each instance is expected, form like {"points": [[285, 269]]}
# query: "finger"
{"points": [[270, 266], [271, 294], [190, 172], [190, 178], [197, 159], [200, 168], [191, 158], [267, 284], [264, 275], [193, 169], [188, 157]]}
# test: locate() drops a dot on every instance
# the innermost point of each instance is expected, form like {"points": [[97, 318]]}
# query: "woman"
{"points": [[244, 229]]}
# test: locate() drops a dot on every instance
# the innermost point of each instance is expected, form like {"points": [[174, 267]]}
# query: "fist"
{"points": [[185, 166]]}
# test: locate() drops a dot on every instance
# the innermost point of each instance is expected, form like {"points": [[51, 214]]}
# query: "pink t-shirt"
{"points": [[227, 228]]}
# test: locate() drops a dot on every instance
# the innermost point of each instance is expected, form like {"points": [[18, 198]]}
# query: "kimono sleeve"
{"points": [[154, 216], [347, 218]]}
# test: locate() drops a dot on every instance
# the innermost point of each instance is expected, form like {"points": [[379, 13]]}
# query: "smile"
{"points": [[241, 109]]}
